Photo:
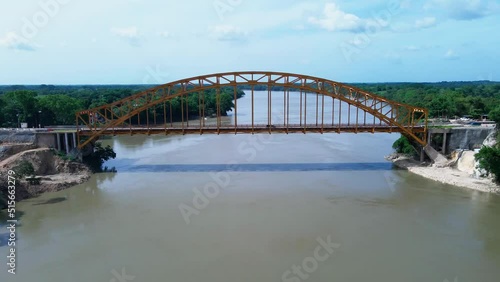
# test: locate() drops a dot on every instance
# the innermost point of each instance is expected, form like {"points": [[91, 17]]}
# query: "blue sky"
{"points": [[157, 41]]}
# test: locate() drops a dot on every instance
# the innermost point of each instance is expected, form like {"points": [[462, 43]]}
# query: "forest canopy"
{"points": [[56, 105]]}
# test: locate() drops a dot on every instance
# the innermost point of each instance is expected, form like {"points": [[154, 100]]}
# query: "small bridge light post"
{"points": [[39, 119]]}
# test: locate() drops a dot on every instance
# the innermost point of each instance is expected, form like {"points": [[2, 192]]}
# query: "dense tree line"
{"points": [[49, 104], [443, 99], [446, 99], [56, 105]]}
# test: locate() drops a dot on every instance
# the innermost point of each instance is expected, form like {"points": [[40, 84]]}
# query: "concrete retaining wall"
{"points": [[460, 138], [467, 138], [17, 136]]}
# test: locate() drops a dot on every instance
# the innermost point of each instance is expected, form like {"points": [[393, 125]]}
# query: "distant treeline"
{"points": [[46, 105], [443, 99], [49, 104]]}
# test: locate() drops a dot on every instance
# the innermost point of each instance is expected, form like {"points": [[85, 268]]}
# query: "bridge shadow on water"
{"points": [[256, 167]]}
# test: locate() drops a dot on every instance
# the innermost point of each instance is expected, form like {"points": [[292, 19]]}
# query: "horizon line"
{"points": [[141, 84]]}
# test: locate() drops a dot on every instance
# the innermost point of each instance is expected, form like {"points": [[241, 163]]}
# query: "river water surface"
{"points": [[256, 208]]}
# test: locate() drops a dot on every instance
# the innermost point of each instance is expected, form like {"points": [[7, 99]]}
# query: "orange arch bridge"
{"points": [[274, 103]]}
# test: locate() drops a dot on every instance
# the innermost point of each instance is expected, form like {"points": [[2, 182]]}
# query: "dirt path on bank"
{"points": [[13, 158]]}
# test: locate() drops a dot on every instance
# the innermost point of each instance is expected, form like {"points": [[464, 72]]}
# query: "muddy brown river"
{"points": [[257, 208]]}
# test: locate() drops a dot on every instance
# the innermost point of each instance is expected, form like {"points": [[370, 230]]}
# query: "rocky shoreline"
{"points": [[445, 175]]}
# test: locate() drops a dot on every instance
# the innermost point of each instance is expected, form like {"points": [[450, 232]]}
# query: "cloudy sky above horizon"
{"points": [[157, 41]]}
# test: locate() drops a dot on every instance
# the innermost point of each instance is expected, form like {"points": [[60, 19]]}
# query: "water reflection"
{"points": [[51, 201]]}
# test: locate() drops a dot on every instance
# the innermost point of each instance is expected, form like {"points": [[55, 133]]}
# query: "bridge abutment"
{"points": [[459, 138], [58, 140]]}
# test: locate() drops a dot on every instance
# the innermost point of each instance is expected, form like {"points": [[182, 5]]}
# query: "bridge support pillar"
{"points": [[58, 142], [66, 137], [444, 143]]}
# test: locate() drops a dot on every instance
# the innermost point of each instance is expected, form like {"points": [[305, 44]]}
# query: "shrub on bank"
{"points": [[98, 157], [25, 168], [403, 146], [489, 160]]}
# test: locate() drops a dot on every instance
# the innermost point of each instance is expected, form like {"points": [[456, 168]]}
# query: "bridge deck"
{"points": [[224, 129]]}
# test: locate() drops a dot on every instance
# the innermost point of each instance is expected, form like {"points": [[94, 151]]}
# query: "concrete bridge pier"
{"points": [[62, 141], [443, 148], [58, 137], [445, 133], [66, 142]]}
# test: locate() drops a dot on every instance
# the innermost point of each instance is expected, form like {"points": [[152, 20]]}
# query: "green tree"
{"points": [[2, 113], [59, 109], [489, 160], [226, 103], [22, 103], [99, 156], [403, 146], [495, 115]]}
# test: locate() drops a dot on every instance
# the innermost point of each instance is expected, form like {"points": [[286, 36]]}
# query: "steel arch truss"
{"points": [[116, 118]]}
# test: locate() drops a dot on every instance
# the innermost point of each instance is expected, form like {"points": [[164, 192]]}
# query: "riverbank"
{"points": [[446, 175], [55, 172]]}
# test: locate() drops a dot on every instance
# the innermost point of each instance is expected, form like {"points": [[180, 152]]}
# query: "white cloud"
{"points": [[425, 22], [335, 19], [228, 33], [451, 55], [289, 16], [464, 9], [130, 34], [16, 42]]}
